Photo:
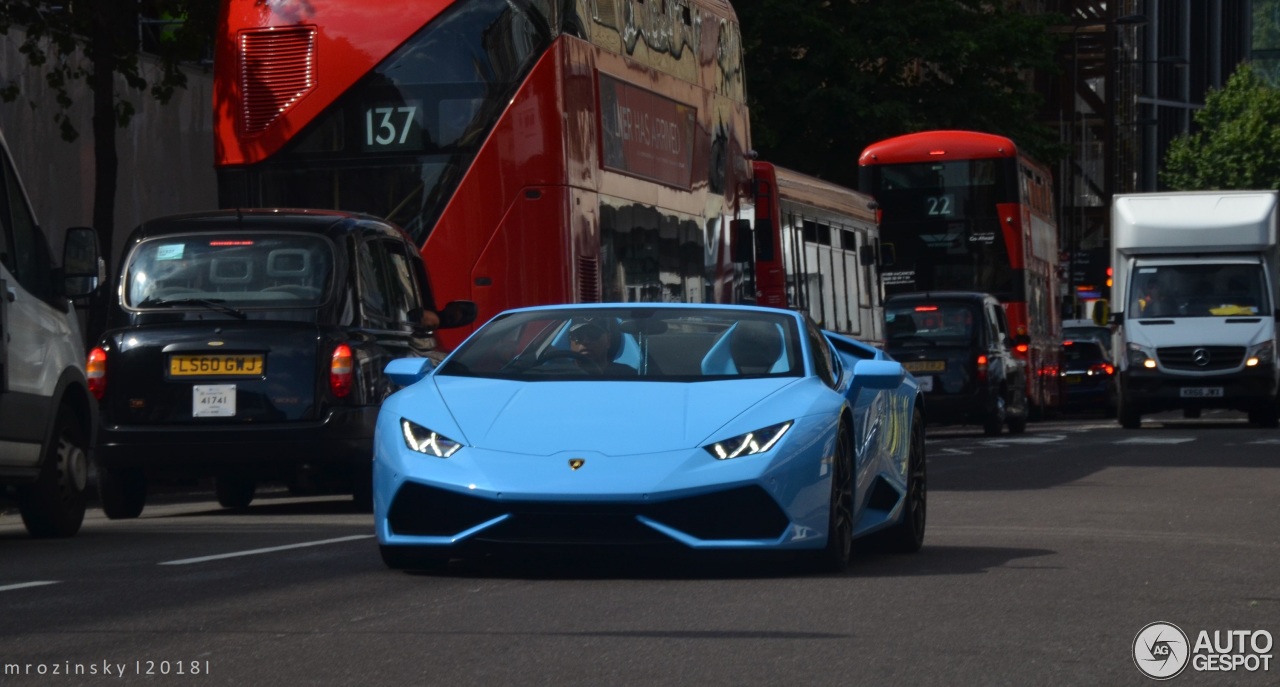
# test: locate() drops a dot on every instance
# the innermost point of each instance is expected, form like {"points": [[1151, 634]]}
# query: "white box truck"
{"points": [[1194, 301]]}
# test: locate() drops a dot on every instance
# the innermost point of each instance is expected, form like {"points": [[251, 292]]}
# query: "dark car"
{"points": [[249, 346], [1088, 377], [957, 345]]}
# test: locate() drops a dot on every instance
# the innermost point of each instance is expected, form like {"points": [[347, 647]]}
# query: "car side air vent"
{"points": [[277, 68]]}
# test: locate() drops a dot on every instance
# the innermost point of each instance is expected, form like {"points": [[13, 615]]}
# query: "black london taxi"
{"points": [[247, 346], [957, 345]]}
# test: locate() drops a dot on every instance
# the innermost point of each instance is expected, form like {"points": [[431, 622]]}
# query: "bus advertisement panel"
{"points": [[967, 211]]}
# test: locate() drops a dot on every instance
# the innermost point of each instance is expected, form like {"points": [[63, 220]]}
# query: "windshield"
{"points": [[931, 324], [1198, 290], [229, 271], [399, 142], [941, 229], [647, 344]]}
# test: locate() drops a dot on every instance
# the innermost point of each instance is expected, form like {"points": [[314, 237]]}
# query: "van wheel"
{"points": [[123, 492], [234, 491], [1264, 415], [1128, 415], [54, 506]]}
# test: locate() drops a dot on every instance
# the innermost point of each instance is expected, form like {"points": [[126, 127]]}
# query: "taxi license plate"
{"points": [[1201, 392], [249, 365], [925, 365]]}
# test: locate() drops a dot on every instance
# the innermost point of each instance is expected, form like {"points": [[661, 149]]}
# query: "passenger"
{"points": [[598, 340]]}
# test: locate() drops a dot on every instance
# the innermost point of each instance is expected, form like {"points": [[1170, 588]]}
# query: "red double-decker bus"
{"points": [[538, 151], [963, 210]]}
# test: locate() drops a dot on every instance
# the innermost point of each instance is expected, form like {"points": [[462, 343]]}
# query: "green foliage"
{"points": [[65, 40], [1236, 144], [825, 79]]}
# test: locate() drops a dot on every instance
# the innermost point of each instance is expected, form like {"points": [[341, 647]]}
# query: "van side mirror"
{"points": [[867, 255], [1117, 318], [1101, 312], [82, 267]]}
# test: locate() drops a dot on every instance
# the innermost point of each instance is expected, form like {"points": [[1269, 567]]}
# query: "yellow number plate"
{"points": [[215, 365], [926, 366]]}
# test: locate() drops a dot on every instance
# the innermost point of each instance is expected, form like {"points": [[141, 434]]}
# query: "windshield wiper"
{"points": [[214, 304]]}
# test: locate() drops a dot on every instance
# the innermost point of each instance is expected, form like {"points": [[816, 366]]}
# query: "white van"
{"points": [[47, 417]]}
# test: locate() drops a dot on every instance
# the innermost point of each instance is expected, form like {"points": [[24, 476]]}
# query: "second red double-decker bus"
{"points": [[963, 210], [539, 151]]}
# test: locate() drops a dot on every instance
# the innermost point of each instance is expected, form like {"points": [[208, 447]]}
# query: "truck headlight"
{"points": [[1140, 356], [1261, 354]]}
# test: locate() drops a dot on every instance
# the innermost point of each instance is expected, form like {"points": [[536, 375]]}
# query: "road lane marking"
{"points": [[24, 585], [1156, 440], [1040, 439], [273, 549]]}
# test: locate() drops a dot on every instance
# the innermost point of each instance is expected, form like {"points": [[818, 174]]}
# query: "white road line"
{"points": [[1157, 440], [273, 549], [24, 585]]}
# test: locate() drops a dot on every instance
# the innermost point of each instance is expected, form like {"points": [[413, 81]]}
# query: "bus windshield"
{"points": [[941, 229], [397, 144]]}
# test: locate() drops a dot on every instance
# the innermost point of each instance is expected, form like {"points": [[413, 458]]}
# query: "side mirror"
{"points": [[1101, 312], [406, 371], [866, 255], [1117, 318], [458, 314], [82, 267], [878, 374], [743, 238]]}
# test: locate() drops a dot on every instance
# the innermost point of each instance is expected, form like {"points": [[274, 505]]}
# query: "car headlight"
{"points": [[1263, 353], [423, 440], [750, 443]]}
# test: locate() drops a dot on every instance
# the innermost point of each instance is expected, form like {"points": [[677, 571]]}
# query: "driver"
{"points": [[597, 340]]}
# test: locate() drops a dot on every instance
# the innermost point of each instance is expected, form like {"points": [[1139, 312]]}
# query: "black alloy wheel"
{"points": [[234, 491], [835, 556], [907, 535]]}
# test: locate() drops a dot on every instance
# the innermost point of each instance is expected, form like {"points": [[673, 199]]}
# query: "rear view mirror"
{"points": [[1101, 312], [458, 314], [866, 255], [82, 266]]}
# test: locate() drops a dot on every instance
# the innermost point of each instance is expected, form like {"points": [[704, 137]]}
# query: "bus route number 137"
{"points": [[392, 128]]}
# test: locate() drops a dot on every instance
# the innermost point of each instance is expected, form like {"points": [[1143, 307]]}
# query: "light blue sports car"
{"points": [[650, 426]]}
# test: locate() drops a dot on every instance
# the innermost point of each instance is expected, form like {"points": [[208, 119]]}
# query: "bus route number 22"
{"points": [[939, 206], [391, 128]]}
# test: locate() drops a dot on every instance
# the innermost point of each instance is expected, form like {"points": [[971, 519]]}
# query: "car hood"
{"points": [[613, 418]]}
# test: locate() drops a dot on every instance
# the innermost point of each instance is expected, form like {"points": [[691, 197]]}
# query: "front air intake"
{"points": [[277, 68]]}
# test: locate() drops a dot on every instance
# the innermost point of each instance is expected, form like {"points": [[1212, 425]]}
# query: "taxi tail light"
{"points": [[95, 369], [982, 368], [341, 371]]}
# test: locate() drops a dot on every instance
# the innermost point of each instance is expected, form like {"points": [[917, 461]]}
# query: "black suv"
{"points": [[957, 345], [250, 345]]}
